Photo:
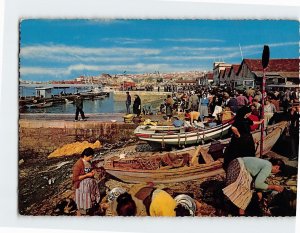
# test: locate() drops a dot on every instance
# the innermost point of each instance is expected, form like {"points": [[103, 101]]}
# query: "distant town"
{"points": [[247, 74]]}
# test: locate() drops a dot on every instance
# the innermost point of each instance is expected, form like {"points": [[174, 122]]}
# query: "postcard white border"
{"points": [[122, 9]]}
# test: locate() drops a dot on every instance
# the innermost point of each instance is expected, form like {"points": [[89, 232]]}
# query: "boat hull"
{"points": [[186, 138], [193, 172], [168, 176]]}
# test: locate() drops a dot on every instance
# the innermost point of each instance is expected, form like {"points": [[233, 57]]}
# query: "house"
{"points": [[43, 92], [233, 74], [225, 78], [279, 71], [221, 77], [209, 77], [217, 67]]}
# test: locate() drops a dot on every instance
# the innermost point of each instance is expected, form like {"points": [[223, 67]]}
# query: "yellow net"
{"points": [[74, 148]]}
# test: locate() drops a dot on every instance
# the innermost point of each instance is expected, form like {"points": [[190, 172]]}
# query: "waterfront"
{"points": [[113, 103], [106, 105]]}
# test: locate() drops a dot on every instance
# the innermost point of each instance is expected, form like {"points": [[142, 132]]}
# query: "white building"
{"points": [[217, 67], [43, 92]]}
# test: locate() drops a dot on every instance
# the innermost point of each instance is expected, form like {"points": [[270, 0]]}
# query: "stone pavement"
{"points": [[104, 117]]}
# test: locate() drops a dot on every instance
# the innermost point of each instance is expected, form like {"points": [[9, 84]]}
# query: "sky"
{"points": [[60, 49]]}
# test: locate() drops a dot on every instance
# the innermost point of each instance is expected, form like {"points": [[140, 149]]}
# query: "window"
{"points": [[248, 83]]}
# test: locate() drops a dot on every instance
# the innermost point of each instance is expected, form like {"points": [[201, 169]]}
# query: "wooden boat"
{"points": [[181, 165], [170, 135], [67, 101], [272, 134], [44, 105], [164, 168]]}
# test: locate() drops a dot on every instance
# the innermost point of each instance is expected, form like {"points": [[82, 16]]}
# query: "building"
{"points": [[217, 68], [43, 92], [209, 77], [279, 71], [225, 78], [182, 83], [233, 74]]}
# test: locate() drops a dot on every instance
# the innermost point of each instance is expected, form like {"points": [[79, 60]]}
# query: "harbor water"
{"points": [[114, 103], [106, 105]]}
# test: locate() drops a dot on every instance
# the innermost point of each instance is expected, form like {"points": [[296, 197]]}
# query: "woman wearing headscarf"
{"points": [[241, 143], [203, 106], [169, 107], [269, 110], [87, 194], [186, 206], [243, 173], [137, 105]]}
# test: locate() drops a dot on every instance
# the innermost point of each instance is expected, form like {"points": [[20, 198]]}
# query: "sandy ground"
{"points": [[44, 182]]}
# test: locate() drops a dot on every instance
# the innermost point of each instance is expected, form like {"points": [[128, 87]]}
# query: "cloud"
{"points": [[73, 60], [192, 40], [128, 40], [138, 67], [43, 50]]}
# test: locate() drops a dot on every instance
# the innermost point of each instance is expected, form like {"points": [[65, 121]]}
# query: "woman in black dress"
{"points": [[242, 143], [137, 105], [169, 107]]}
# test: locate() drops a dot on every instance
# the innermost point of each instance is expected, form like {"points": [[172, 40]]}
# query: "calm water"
{"points": [[107, 105]]}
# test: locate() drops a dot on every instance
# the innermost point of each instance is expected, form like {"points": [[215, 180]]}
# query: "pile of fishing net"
{"points": [[74, 148]]}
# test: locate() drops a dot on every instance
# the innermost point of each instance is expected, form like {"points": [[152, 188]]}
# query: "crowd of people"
{"points": [[246, 175]]}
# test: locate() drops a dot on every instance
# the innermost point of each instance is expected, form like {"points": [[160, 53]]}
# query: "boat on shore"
{"points": [[182, 165], [166, 167], [181, 136]]}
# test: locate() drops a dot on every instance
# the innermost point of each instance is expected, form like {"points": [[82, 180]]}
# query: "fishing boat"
{"points": [[271, 135], [67, 101], [179, 136], [44, 105], [182, 165], [164, 168], [96, 91]]}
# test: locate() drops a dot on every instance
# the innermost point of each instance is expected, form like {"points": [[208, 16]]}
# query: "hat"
{"points": [[187, 202], [114, 193]]}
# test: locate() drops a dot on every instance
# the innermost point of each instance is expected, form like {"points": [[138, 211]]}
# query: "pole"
{"points": [[263, 88], [265, 62]]}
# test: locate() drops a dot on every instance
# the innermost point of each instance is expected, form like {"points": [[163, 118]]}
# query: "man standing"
{"points": [[128, 102], [79, 107], [241, 100], [193, 102]]}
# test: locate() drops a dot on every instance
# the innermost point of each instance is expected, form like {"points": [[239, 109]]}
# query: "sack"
{"points": [[178, 123], [216, 149]]}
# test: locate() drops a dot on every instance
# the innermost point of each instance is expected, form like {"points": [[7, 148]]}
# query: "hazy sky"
{"points": [[66, 49]]}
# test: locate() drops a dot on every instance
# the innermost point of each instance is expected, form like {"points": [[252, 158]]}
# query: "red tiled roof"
{"points": [[210, 76], [235, 68], [275, 65]]}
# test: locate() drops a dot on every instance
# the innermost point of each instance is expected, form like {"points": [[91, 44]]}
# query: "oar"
{"points": [[265, 62]]}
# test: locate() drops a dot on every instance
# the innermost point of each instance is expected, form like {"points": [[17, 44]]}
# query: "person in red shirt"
{"points": [[254, 116]]}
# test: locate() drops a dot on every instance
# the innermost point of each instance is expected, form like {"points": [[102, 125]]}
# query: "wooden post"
{"points": [[265, 62], [262, 127]]}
